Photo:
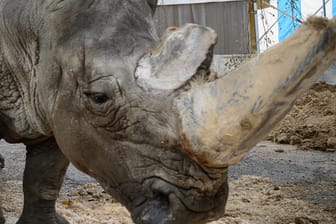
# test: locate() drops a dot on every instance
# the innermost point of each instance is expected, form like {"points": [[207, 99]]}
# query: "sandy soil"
{"points": [[292, 186], [252, 200], [311, 124]]}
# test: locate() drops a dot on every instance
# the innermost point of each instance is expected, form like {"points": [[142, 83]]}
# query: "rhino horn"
{"points": [[222, 119]]}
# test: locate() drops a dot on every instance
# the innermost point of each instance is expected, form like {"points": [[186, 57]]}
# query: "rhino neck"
{"points": [[21, 116]]}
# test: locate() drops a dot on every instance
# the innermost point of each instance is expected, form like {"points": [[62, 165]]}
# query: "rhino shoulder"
{"points": [[16, 121]]}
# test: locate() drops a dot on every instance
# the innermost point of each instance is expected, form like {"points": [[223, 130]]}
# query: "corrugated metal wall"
{"points": [[229, 19]]}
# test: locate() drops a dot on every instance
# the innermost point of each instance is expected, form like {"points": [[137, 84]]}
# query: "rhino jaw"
{"points": [[223, 119]]}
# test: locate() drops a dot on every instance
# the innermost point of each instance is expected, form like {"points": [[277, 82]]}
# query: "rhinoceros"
{"points": [[89, 82]]}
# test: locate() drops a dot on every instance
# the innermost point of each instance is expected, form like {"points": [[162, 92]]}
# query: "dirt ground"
{"points": [[253, 200], [311, 124], [274, 184]]}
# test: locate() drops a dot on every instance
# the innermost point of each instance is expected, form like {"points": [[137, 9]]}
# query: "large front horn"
{"points": [[223, 119]]}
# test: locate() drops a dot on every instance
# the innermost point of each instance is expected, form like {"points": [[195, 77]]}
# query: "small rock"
{"points": [[305, 220], [278, 197], [331, 143], [294, 140], [67, 202], [245, 200], [279, 150], [276, 188], [282, 138]]}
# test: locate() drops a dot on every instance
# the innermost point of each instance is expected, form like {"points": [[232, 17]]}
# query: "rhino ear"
{"points": [[181, 52], [152, 4]]}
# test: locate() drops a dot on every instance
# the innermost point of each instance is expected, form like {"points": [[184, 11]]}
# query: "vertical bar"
{"points": [[253, 39], [255, 10], [324, 8]]}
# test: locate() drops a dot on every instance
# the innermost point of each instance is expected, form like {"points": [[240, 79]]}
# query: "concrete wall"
{"points": [[230, 19]]}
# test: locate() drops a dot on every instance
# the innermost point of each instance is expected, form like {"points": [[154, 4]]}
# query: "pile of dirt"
{"points": [[311, 124]]}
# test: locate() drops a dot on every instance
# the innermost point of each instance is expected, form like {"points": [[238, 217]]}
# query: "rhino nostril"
{"points": [[154, 211], [160, 202]]}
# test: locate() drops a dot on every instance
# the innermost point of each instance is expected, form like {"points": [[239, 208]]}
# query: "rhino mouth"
{"points": [[173, 204]]}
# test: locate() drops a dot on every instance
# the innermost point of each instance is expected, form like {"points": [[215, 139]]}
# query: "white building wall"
{"points": [[309, 8], [268, 27]]}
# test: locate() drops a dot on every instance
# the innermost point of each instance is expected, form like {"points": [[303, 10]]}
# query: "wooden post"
{"points": [[253, 32]]}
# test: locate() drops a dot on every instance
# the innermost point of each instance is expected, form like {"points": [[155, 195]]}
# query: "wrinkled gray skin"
{"points": [[67, 91]]}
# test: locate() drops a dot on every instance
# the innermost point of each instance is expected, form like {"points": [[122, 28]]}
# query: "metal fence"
{"points": [[230, 19]]}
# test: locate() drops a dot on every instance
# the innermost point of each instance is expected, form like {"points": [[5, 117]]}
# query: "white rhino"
{"points": [[89, 82]]}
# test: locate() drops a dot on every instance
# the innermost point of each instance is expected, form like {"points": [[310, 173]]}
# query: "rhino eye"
{"points": [[98, 98]]}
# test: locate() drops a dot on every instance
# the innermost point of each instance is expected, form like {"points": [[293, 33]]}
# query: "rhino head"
{"points": [[146, 117]]}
